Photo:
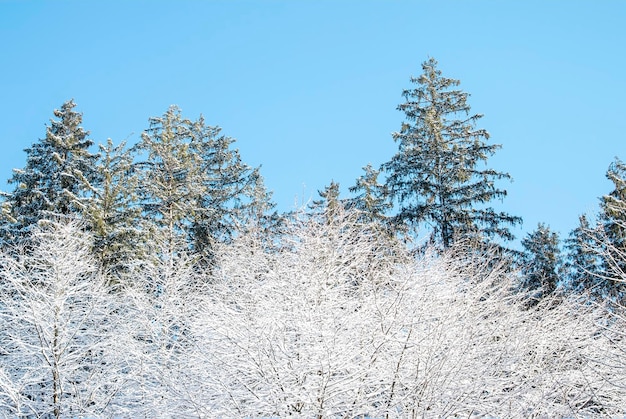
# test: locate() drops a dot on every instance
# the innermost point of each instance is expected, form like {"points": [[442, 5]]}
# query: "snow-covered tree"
{"points": [[372, 197], [582, 264], [115, 216], [293, 333], [597, 252], [613, 219], [57, 179], [541, 262], [438, 177], [62, 345], [166, 296], [233, 193], [193, 186], [170, 180]]}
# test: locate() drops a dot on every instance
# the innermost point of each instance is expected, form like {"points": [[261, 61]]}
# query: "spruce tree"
{"points": [[438, 176], [582, 265], [329, 206], [541, 262], [57, 179], [612, 217], [169, 180], [193, 186], [115, 214], [230, 191], [372, 198]]}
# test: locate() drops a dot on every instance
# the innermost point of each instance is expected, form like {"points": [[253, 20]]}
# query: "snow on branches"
{"points": [[334, 319]]}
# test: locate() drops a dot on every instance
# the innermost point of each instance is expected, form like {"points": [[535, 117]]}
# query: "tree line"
{"points": [[184, 186]]}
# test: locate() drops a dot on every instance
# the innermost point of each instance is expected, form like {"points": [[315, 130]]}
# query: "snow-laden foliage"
{"points": [[297, 332], [334, 319], [61, 332]]}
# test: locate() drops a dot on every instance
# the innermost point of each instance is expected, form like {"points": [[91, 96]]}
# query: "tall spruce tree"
{"points": [[612, 248], [115, 213], [193, 185], [169, 180], [58, 177], [438, 175], [230, 192]]}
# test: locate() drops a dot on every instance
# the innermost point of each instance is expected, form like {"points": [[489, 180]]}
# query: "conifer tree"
{"points": [[169, 180], [230, 191], [612, 244], [613, 217], [541, 262], [372, 197], [437, 176], [57, 179], [582, 265], [329, 205], [597, 254], [115, 213], [193, 186]]}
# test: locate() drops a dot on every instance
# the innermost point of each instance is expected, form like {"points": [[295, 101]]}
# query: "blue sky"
{"points": [[309, 88]]}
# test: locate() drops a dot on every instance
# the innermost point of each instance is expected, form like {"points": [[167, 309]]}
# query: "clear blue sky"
{"points": [[309, 88]]}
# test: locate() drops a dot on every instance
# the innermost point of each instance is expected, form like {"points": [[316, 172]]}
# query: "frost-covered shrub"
{"points": [[334, 320], [61, 350], [308, 331]]}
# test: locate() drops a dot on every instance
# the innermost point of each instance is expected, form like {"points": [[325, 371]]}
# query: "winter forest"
{"points": [[158, 280]]}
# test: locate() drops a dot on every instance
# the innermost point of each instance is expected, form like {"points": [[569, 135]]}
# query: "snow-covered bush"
{"points": [[296, 332], [61, 350], [334, 320]]}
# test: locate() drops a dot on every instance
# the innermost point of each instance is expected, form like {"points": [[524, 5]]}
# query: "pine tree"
{"points": [[169, 180], [541, 262], [437, 176], [372, 197], [115, 214], [582, 265], [57, 179], [612, 246], [230, 191]]}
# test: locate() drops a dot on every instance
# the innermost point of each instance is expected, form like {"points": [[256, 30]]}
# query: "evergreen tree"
{"points": [[597, 254], [541, 262], [372, 197], [613, 216], [437, 176], [582, 266], [57, 179], [330, 206], [115, 213], [612, 246], [230, 192], [169, 180], [193, 186], [259, 215]]}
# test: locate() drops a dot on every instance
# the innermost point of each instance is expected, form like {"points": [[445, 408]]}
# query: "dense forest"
{"points": [[158, 280]]}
